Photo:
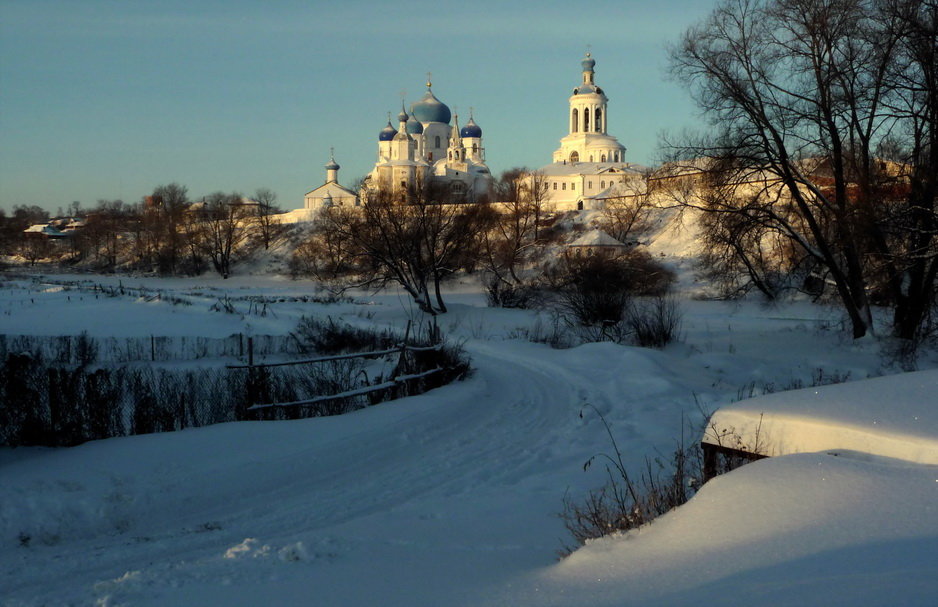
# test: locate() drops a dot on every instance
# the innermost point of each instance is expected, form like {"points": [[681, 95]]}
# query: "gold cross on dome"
{"points": [[429, 79]]}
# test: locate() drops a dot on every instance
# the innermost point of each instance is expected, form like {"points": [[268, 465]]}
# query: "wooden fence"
{"points": [[83, 349], [397, 381]]}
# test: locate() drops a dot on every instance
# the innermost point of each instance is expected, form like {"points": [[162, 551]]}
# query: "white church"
{"points": [[589, 167], [429, 146]]}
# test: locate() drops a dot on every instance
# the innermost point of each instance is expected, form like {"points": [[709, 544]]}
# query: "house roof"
{"points": [[45, 230], [333, 189], [559, 169]]}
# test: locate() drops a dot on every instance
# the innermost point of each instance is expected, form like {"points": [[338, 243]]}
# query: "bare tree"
{"points": [[415, 240], [328, 255], [223, 222], [628, 216], [265, 216], [802, 94], [166, 212], [511, 242], [34, 248]]}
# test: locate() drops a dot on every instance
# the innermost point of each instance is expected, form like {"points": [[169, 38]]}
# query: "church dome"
{"points": [[413, 126], [431, 109], [588, 63], [471, 129], [333, 165], [387, 133]]}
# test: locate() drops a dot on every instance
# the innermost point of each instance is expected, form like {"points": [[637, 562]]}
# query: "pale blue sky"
{"points": [[107, 99]]}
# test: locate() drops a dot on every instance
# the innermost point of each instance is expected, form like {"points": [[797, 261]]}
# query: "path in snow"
{"points": [[466, 479]]}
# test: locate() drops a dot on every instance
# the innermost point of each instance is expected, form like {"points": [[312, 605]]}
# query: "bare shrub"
{"points": [[502, 294], [625, 503], [595, 292], [329, 337], [655, 322]]}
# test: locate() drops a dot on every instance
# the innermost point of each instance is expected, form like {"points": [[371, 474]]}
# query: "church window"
{"points": [[573, 186], [591, 158], [576, 121], [586, 120], [575, 157], [437, 141], [430, 156], [602, 185], [603, 158], [579, 207], [475, 148], [564, 186], [599, 120], [590, 185], [555, 185], [449, 155]]}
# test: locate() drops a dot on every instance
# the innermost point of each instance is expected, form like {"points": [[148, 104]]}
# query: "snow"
{"points": [[807, 529], [451, 497], [894, 417], [596, 238]]}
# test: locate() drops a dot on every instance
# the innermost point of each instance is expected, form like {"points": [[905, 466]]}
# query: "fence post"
{"points": [[402, 366], [153, 348], [252, 380]]}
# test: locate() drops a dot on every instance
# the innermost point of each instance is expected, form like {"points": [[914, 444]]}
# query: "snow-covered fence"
{"points": [[83, 349]]}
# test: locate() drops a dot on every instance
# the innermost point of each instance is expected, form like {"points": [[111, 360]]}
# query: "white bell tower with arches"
{"points": [[587, 139]]}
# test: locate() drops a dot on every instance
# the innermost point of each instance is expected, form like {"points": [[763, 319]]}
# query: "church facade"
{"points": [[427, 146]]}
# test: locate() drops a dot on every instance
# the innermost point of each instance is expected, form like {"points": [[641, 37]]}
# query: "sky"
{"points": [[107, 99]]}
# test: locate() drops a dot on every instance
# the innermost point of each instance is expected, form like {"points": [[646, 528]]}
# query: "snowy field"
{"points": [[451, 497]]}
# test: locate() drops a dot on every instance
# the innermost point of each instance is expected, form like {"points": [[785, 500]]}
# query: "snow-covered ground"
{"points": [[451, 498]]}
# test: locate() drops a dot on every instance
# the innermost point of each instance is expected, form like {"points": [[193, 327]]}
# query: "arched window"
{"points": [[579, 207], [617, 156], [575, 157], [437, 141], [576, 121], [430, 156], [599, 120], [475, 148], [603, 158], [586, 120], [602, 185], [449, 155], [591, 158]]}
